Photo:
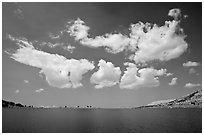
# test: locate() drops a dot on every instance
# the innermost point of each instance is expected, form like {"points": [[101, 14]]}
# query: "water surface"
{"points": [[58, 120]]}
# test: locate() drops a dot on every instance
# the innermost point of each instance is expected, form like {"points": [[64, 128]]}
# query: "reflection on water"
{"points": [[101, 120]]}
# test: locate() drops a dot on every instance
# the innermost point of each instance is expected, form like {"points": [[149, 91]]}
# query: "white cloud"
{"points": [[185, 16], [50, 44], [52, 36], [192, 71], [107, 75], [59, 71], [64, 46], [137, 78], [114, 42], [169, 74], [175, 13], [191, 85], [191, 64], [69, 48], [26, 81], [173, 81], [53, 45], [17, 91], [39, 90], [158, 43], [166, 42], [79, 30]]}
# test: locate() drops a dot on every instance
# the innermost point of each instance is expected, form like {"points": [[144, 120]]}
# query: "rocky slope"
{"points": [[193, 100]]}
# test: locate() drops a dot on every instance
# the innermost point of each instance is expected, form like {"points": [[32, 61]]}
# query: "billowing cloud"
{"points": [[191, 64], [59, 71], [191, 85], [107, 75], [175, 13], [114, 42], [166, 42], [39, 90], [26, 81], [173, 81], [79, 30], [158, 43], [135, 78]]}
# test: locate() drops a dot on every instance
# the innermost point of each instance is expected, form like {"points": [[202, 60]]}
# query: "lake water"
{"points": [[101, 120]]}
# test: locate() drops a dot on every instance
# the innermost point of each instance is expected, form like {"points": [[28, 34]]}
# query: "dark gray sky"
{"points": [[100, 32]]}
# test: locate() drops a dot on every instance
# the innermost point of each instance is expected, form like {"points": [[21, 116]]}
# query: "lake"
{"points": [[149, 120]]}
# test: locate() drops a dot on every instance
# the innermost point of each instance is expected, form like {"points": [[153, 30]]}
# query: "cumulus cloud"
{"points": [[175, 13], [191, 64], [191, 85], [39, 90], [59, 71], [137, 78], [166, 42], [107, 75], [173, 81], [114, 42], [79, 30], [26, 81]]}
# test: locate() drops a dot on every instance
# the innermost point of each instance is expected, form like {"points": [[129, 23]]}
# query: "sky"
{"points": [[105, 55]]}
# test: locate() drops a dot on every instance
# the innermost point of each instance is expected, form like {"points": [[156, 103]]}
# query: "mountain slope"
{"points": [[193, 100]]}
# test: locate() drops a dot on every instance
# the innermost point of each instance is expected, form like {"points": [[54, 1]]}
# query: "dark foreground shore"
{"points": [[64, 120]]}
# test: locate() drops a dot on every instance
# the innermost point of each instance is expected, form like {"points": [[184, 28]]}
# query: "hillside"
{"points": [[193, 100], [10, 104]]}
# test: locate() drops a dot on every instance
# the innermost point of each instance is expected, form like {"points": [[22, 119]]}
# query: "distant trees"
{"points": [[89, 106], [19, 105], [7, 104], [11, 104], [4, 103]]}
